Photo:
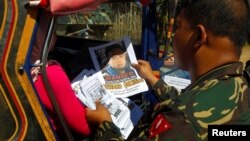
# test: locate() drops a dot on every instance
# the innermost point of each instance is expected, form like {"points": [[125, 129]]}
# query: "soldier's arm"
{"points": [[165, 92], [101, 118], [108, 131]]}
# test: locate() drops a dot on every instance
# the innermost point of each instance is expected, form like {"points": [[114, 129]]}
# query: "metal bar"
{"points": [[47, 84]]}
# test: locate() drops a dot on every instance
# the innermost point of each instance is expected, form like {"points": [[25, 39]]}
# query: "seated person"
{"points": [[71, 108]]}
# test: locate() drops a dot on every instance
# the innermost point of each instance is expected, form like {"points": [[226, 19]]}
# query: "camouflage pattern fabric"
{"points": [[107, 131], [219, 97]]}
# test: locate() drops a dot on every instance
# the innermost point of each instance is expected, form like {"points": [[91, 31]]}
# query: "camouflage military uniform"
{"points": [[219, 97]]}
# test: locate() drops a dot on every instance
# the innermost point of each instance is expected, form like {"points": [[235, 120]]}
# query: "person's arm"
{"points": [[145, 71], [73, 111], [106, 129], [164, 91]]}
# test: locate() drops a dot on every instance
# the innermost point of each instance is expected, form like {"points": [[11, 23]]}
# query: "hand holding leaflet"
{"points": [[124, 113]]}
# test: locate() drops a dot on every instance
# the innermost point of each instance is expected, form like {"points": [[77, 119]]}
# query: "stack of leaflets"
{"points": [[112, 82]]}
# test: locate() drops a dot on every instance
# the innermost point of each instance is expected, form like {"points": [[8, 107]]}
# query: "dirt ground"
{"points": [[245, 55]]}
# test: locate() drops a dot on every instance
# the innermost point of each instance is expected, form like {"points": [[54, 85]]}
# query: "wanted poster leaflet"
{"points": [[113, 62], [111, 82], [124, 113]]}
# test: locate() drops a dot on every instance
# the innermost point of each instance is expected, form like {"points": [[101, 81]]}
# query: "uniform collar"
{"points": [[231, 69]]}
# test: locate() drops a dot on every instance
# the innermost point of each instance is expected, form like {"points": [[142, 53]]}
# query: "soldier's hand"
{"points": [[99, 115], [145, 71]]}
